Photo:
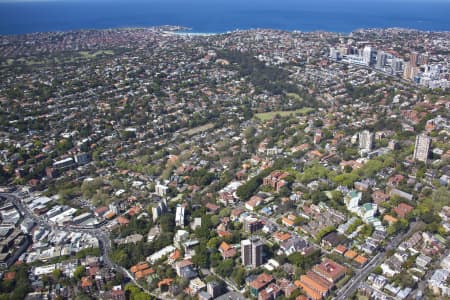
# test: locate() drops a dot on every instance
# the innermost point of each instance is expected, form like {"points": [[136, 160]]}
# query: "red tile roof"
{"points": [[122, 220], [261, 281], [139, 267], [403, 209], [330, 270]]}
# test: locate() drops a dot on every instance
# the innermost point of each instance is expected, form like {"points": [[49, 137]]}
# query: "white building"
{"points": [[161, 190], [179, 216], [160, 254], [366, 140], [368, 54], [159, 209], [422, 147]]}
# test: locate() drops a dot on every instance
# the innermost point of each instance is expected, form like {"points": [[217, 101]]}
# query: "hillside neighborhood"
{"points": [[255, 164]]}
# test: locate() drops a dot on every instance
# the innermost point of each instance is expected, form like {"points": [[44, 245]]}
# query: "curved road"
{"points": [[102, 236]]}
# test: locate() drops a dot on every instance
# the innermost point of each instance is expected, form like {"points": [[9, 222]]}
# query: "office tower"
{"points": [[381, 59], [407, 71], [251, 252], [368, 53], [410, 71], [423, 59], [422, 147], [396, 64], [334, 53], [365, 140], [414, 59]]}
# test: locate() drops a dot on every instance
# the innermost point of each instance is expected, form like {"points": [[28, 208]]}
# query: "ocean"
{"points": [[216, 16]]}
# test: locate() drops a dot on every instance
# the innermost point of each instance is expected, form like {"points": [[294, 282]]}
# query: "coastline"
{"points": [[186, 31], [205, 18]]}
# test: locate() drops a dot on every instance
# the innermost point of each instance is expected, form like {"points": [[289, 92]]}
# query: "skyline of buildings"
{"points": [[418, 69]]}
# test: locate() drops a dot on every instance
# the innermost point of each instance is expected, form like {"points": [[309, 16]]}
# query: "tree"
{"points": [[134, 293], [215, 259], [324, 232], [89, 188], [304, 262], [64, 145], [167, 222], [17, 288], [215, 220], [79, 272], [201, 257], [238, 275], [246, 190], [225, 268], [318, 197], [336, 196], [399, 226], [440, 197], [367, 230], [225, 212], [56, 274], [213, 243], [82, 296], [378, 270]]}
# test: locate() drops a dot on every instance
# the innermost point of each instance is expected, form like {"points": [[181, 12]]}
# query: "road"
{"points": [[350, 288], [226, 280], [101, 234]]}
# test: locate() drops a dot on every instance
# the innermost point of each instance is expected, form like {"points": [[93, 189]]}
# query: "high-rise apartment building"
{"points": [[414, 59], [365, 140], [396, 64], [368, 54], [381, 59], [252, 252], [422, 147], [423, 59]]}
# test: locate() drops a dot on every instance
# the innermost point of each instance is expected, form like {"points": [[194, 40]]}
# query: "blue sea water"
{"points": [[213, 16]]}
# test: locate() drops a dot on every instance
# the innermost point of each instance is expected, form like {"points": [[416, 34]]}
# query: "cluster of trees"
{"points": [[249, 188], [143, 166], [90, 188], [313, 172], [129, 254], [18, 287], [269, 78], [430, 206], [349, 176], [304, 262], [135, 293], [324, 232], [88, 252], [362, 91], [201, 177]]}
